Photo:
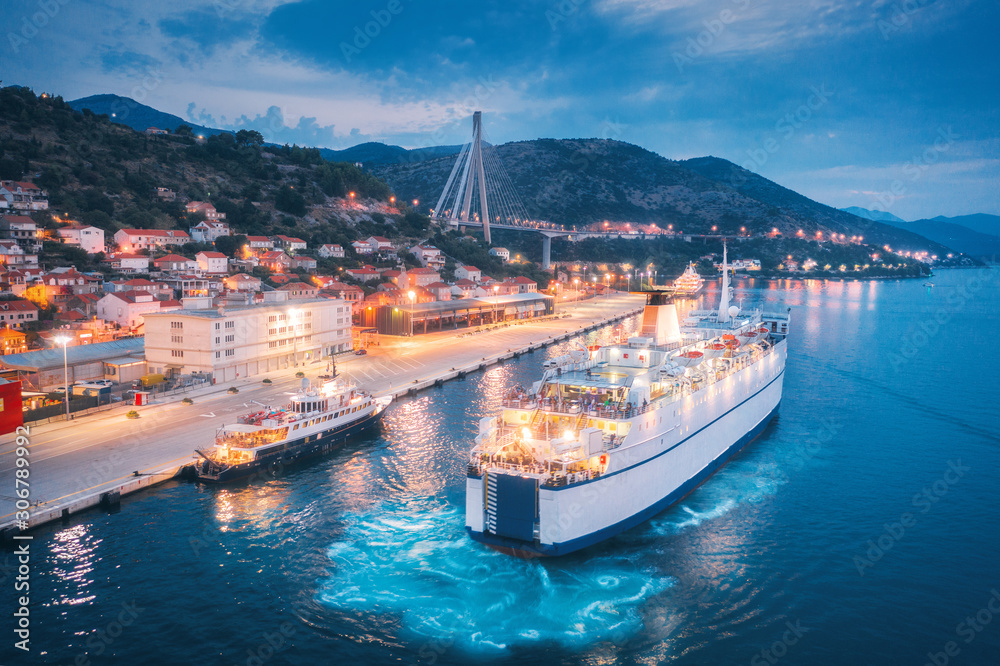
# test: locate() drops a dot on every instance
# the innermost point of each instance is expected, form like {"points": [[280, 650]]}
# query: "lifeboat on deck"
{"points": [[714, 350], [689, 359]]}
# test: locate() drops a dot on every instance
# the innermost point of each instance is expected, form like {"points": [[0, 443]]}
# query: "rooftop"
{"points": [[49, 359], [215, 314]]}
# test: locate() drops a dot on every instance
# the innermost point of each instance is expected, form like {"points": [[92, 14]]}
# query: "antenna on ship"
{"points": [[724, 300]]}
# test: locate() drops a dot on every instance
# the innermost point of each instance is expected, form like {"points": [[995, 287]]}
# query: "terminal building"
{"points": [[234, 342], [418, 318]]}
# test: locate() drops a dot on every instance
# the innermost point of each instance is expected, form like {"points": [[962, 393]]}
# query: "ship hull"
{"points": [[676, 456], [318, 443]]}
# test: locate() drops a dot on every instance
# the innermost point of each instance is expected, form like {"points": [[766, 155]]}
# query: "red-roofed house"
{"points": [[519, 285], [128, 262], [428, 256], [207, 232], [297, 290], [175, 263], [353, 294], [87, 238], [290, 243], [305, 263], [13, 255], [468, 273], [276, 260], [206, 209], [12, 342], [361, 247], [17, 312], [440, 290], [260, 243], [214, 263], [421, 277], [130, 240], [127, 308], [22, 195], [467, 289], [242, 282], [379, 244], [365, 273], [331, 251], [23, 230], [281, 278]]}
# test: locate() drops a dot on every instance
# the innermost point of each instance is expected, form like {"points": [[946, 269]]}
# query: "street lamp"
{"points": [[64, 341], [496, 300], [576, 288], [413, 296]]}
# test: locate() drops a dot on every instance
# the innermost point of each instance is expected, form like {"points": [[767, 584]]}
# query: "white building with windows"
{"points": [[87, 238], [244, 341]]}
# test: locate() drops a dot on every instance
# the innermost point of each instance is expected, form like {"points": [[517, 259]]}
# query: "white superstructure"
{"points": [[609, 437]]}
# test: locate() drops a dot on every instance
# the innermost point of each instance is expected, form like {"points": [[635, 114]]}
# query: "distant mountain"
{"points": [[877, 215], [373, 153], [127, 111], [577, 182], [957, 236], [981, 222]]}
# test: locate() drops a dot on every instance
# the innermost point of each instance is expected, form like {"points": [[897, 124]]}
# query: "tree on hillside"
{"points": [[287, 200], [230, 245], [184, 130], [249, 139]]}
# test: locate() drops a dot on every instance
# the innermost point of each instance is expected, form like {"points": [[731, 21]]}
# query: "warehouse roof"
{"points": [[49, 359]]}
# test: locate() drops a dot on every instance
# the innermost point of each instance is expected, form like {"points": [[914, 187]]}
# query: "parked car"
{"points": [[98, 382], [361, 352]]}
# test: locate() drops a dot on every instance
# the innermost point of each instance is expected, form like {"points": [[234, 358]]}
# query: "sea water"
{"points": [[859, 528]]}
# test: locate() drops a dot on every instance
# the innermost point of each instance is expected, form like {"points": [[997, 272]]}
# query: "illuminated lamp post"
{"points": [[413, 300], [64, 341]]}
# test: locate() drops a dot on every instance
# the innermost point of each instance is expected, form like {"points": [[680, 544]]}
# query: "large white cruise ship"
{"points": [[610, 437]]}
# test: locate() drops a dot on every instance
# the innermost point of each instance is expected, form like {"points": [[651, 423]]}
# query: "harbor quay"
{"points": [[96, 459]]}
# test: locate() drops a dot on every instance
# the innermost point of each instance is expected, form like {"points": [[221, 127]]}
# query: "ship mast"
{"points": [[724, 300]]}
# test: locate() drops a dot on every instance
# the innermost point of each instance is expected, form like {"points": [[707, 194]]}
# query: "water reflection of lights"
{"points": [[252, 504], [75, 553]]}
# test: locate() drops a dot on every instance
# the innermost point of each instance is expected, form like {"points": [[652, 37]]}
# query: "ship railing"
{"points": [[546, 476]]}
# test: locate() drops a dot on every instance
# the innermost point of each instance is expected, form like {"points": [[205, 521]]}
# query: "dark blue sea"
{"points": [[861, 528]]}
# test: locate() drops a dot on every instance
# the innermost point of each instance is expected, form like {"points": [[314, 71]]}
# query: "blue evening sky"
{"points": [[889, 104]]}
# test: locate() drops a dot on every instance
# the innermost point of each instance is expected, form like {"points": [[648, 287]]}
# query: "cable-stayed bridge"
{"points": [[480, 194]]}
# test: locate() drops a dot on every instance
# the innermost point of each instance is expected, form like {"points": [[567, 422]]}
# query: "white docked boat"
{"points": [[689, 282], [609, 437], [315, 421]]}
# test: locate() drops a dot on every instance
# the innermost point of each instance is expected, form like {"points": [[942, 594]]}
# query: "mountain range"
{"points": [[584, 181], [579, 182], [976, 235], [127, 111]]}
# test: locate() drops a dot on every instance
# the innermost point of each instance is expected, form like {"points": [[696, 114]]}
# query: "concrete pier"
{"points": [[74, 464]]}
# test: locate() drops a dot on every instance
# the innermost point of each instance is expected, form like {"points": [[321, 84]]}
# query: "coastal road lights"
{"points": [[64, 341], [413, 301]]}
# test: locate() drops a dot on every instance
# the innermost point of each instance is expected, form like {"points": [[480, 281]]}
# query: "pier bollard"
{"points": [[111, 500]]}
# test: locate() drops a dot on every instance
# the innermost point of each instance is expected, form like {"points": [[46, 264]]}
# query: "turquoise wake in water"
{"points": [[415, 561]]}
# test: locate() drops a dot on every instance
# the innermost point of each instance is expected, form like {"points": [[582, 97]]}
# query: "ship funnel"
{"points": [[659, 320]]}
